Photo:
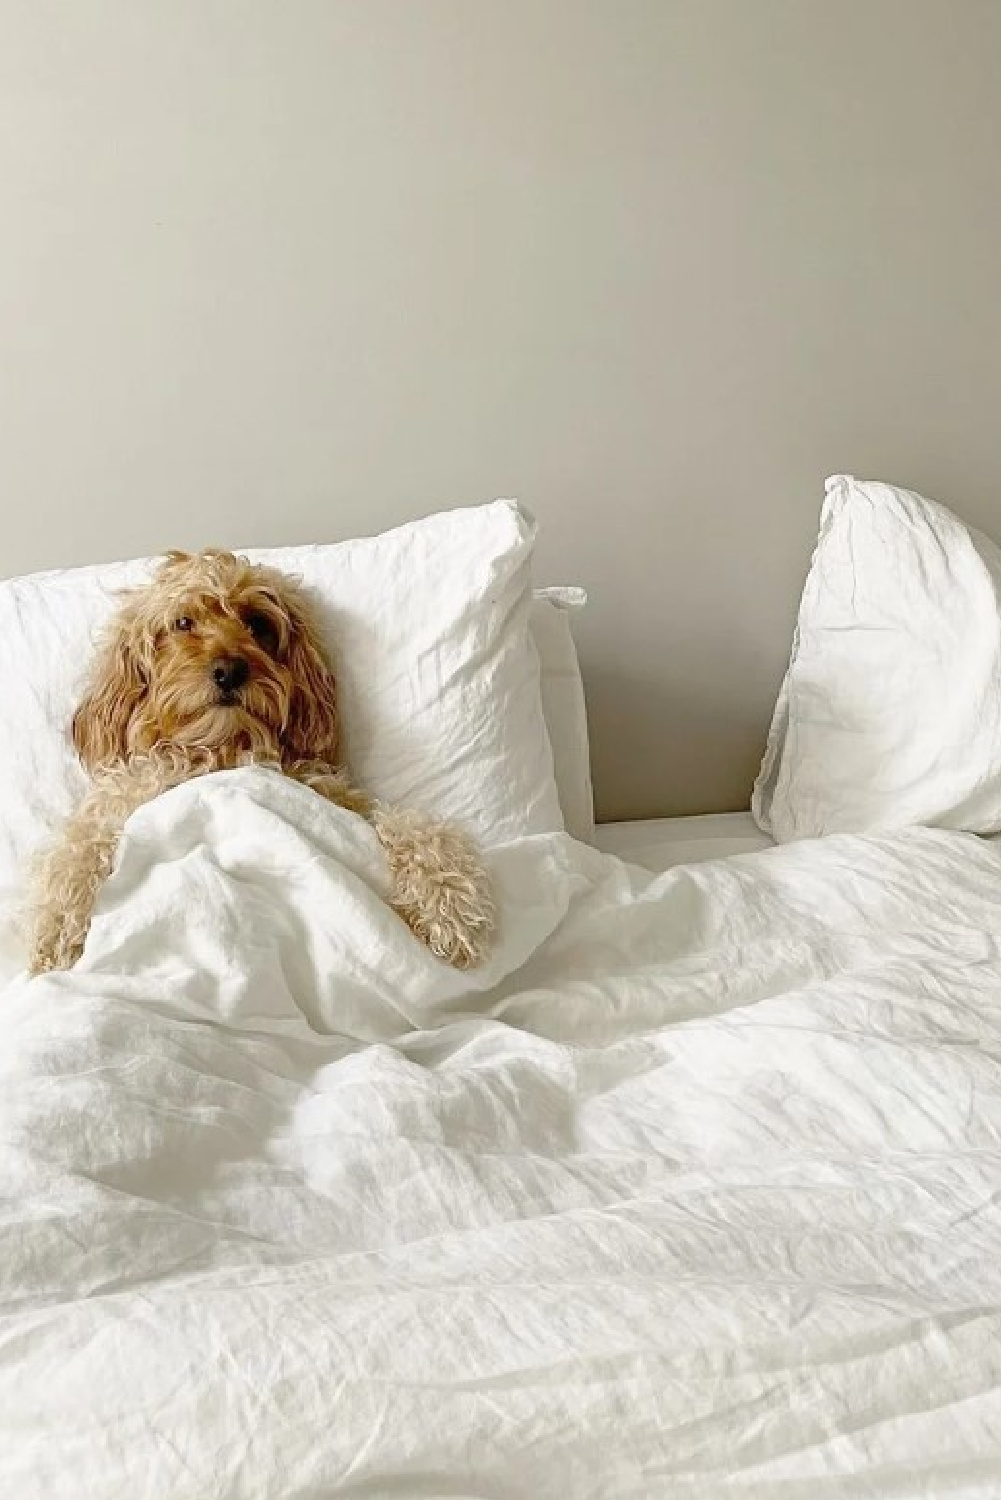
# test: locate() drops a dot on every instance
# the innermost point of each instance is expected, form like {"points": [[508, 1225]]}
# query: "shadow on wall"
{"points": [[652, 724]]}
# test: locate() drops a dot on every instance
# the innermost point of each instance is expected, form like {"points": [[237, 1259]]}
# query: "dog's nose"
{"points": [[229, 673]]}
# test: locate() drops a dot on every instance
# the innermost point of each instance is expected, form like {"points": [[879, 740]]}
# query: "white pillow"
{"points": [[890, 712], [428, 630], [563, 705]]}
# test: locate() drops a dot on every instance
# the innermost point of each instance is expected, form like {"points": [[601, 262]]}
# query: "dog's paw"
{"points": [[52, 949], [440, 888], [459, 923]]}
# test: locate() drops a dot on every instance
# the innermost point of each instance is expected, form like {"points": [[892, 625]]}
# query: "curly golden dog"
{"points": [[218, 664]]}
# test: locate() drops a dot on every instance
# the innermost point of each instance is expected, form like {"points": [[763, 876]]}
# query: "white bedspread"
{"points": [[695, 1191]]}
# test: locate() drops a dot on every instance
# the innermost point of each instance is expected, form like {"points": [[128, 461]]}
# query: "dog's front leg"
{"points": [[68, 877], [440, 886]]}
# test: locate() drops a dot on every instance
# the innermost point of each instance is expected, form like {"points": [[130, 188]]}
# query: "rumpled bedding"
{"points": [[694, 1190]]}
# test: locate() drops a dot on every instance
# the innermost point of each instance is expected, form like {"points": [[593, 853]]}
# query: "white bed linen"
{"points": [[890, 711], [661, 843], [695, 1190]]}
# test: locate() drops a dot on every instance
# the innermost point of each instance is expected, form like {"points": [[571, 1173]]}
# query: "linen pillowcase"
{"points": [[890, 712], [563, 704]]}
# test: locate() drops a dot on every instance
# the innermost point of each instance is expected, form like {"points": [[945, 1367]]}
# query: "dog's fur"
{"points": [[164, 705]]}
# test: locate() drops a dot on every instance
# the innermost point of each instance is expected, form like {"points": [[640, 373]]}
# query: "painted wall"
{"points": [[274, 272]]}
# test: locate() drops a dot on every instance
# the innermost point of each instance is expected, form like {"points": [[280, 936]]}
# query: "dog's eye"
{"points": [[262, 630], [184, 623]]}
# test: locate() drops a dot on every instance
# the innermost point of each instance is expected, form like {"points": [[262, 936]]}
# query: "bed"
{"points": [[693, 1190], [659, 844]]}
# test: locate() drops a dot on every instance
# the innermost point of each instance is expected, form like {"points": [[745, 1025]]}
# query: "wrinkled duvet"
{"points": [[694, 1191]]}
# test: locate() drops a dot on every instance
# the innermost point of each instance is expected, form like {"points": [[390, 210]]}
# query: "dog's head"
{"points": [[214, 655]]}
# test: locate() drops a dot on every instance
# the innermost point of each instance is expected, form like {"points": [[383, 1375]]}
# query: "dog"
{"points": [[218, 663]]}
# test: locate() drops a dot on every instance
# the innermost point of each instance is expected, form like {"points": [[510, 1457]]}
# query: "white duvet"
{"points": [[696, 1191]]}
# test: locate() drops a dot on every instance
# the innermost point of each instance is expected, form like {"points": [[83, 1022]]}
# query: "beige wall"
{"points": [[276, 270]]}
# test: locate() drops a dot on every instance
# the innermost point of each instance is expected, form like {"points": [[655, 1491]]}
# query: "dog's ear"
{"points": [[117, 688], [312, 729]]}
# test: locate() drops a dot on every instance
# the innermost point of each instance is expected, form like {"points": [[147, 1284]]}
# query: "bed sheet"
{"points": [[693, 1190], [660, 843]]}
